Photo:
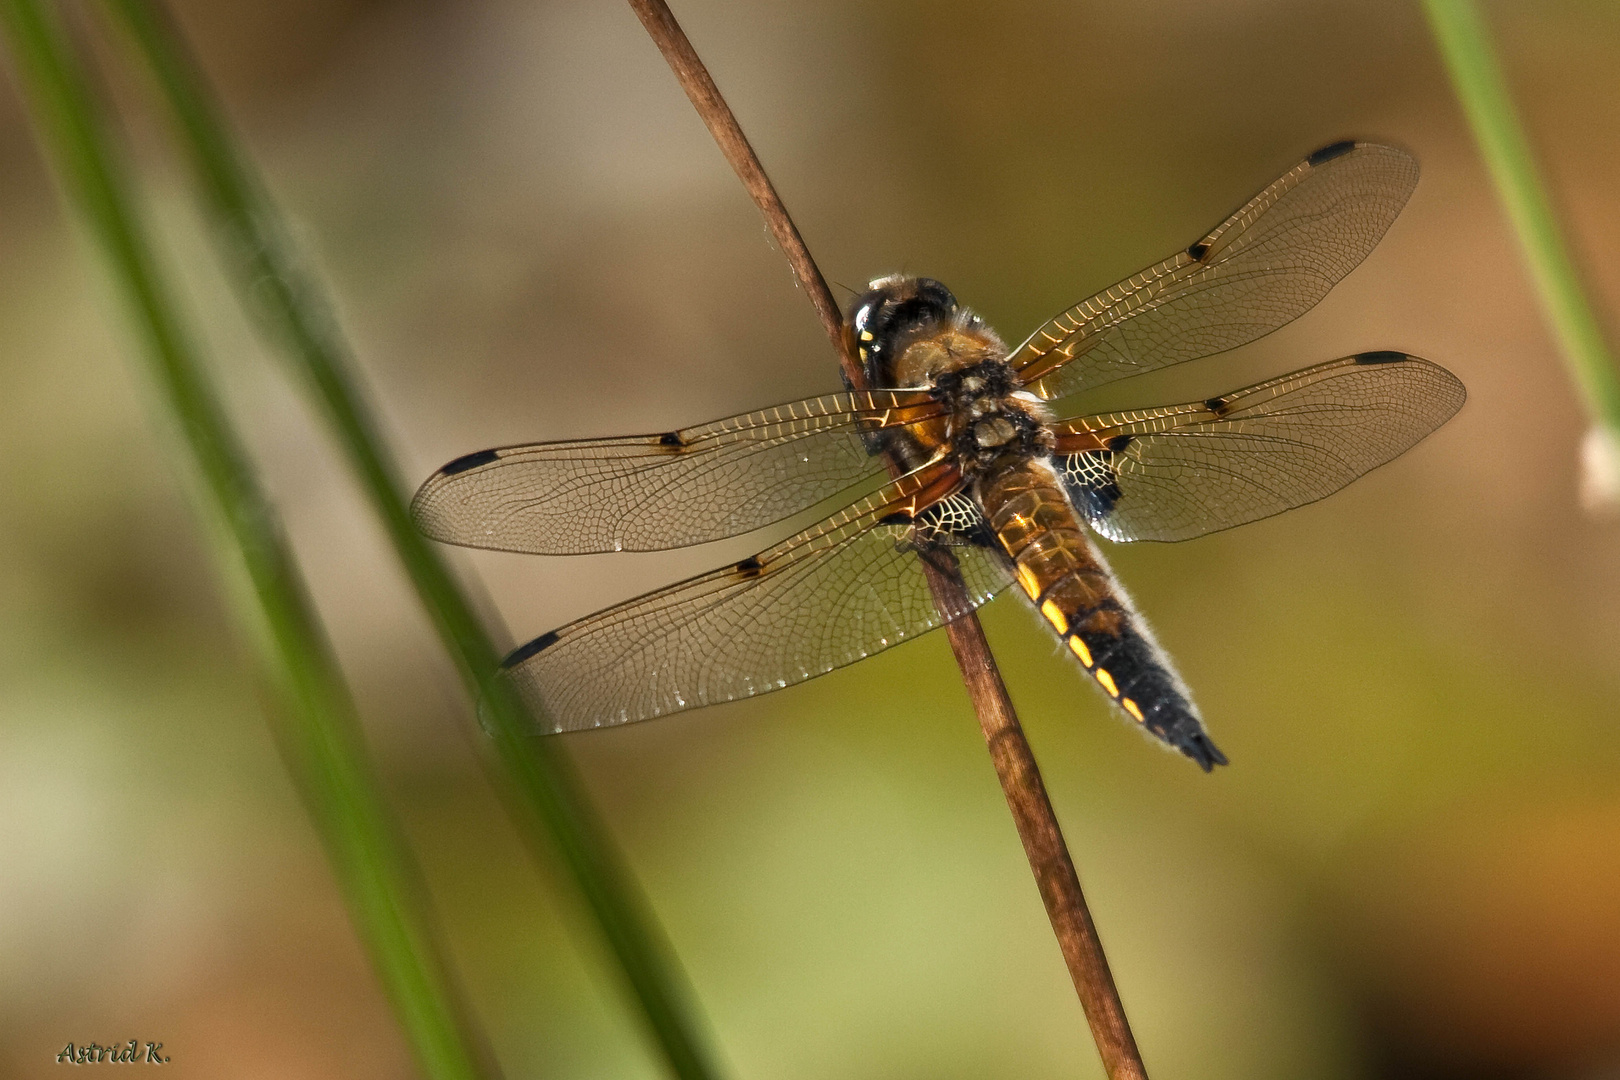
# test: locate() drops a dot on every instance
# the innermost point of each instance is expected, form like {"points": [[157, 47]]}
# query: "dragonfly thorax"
{"points": [[990, 418]]}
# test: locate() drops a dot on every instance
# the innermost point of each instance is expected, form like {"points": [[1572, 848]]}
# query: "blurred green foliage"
{"points": [[314, 716], [273, 281]]}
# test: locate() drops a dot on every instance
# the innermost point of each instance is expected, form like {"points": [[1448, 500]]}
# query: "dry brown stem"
{"points": [[1009, 749]]}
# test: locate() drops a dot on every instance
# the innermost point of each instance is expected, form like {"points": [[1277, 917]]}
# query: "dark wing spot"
{"points": [[1099, 502], [1382, 356], [750, 567], [671, 439], [1198, 251], [470, 461], [1328, 153], [1092, 482], [1217, 405], [1120, 442], [899, 517], [523, 652]]}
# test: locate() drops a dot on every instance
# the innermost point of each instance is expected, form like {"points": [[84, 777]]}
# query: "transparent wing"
{"points": [[650, 492], [845, 589], [1185, 470], [1261, 268]]}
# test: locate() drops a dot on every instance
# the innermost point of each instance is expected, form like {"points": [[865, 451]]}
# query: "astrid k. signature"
{"points": [[126, 1054]]}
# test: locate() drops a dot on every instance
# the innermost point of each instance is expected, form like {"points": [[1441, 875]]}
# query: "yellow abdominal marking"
{"points": [[1131, 707], [1026, 578], [863, 352], [1055, 617], [866, 335], [1079, 649], [1107, 681]]}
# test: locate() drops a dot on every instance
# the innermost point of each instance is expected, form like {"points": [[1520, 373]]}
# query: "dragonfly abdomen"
{"points": [[1075, 592]]}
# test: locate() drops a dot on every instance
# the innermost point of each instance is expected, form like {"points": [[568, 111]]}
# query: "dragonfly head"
{"points": [[911, 332], [891, 314]]}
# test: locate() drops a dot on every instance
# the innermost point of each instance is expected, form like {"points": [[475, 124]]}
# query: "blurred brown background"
{"points": [[1412, 868]]}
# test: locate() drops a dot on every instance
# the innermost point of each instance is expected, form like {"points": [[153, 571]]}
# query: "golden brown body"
{"points": [[1030, 514], [1065, 577], [1000, 439]]}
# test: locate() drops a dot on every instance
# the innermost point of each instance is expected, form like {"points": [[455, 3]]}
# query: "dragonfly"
{"points": [[974, 466]]}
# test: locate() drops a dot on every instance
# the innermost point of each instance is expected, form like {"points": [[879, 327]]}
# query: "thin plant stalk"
{"points": [[316, 725], [1014, 761], [1465, 43], [541, 789]]}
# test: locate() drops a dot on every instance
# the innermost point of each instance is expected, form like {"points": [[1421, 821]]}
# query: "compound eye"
{"points": [[876, 320], [936, 297]]}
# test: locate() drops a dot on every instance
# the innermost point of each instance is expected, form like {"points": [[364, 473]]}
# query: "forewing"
{"points": [[651, 492], [845, 589], [1185, 470], [1259, 269]]}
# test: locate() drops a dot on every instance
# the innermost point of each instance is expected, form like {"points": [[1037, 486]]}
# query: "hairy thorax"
{"points": [[990, 425]]}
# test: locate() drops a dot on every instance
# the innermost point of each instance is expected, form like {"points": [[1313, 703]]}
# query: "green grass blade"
{"points": [[543, 791], [1466, 45], [318, 731]]}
